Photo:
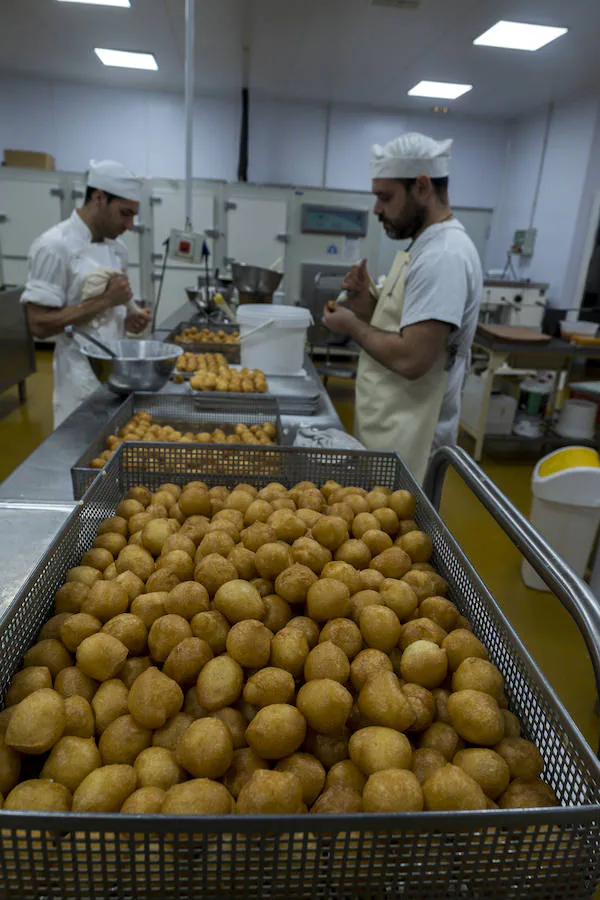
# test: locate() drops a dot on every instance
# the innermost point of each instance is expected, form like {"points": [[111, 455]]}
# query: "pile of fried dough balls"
{"points": [[273, 651], [194, 335], [212, 373], [142, 427]]}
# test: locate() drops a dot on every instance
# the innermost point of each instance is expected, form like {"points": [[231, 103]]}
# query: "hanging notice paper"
{"points": [[351, 251]]}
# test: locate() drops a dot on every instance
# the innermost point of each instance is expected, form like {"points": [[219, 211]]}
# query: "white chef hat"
{"points": [[114, 178], [411, 155]]}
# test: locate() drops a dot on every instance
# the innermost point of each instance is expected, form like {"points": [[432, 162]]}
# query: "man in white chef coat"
{"points": [[416, 331], [84, 257]]}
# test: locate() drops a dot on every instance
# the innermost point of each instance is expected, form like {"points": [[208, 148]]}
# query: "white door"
{"points": [[254, 231], [27, 209]]}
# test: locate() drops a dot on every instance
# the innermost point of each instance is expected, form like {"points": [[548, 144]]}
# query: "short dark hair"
{"points": [[90, 191], [440, 186]]}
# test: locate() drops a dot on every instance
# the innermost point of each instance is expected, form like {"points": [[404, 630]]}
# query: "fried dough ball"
{"points": [[70, 597], [487, 768], [451, 788], [441, 737], [153, 698], [425, 584], [376, 541], [37, 722], [375, 749], [213, 571], [476, 717], [399, 597], [162, 580], [270, 685], [328, 598], [479, 675], [198, 797], [71, 760], [522, 794], [329, 749], [523, 758], [270, 792], [205, 749], [421, 630], [109, 702], [219, 683], [244, 764], [292, 583], [26, 682], [238, 600], [327, 660], [276, 731], [426, 761], [165, 634], [418, 545], [383, 702], [101, 656], [338, 800], [39, 794], [346, 774], [49, 653], [195, 501], [424, 663], [441, 611], [393, 790], [379, 627], [361, 600], [366, 664], [106, 600], [213, 628], [155, 534], [187, 599], [215, 542], [345, 634], [273, 558], [171, 731], [459, 645], [288, 527], [243, 560], [325, 704], [79, 717], [289, 649], [149, 607], [309, 772], [310, 553], [249, 643], [137, 560], [422, 704], [186, 660], [393, 562], [403, 503], [278, 612]]}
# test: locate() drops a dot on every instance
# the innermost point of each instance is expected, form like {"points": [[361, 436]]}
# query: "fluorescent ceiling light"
{"points": [[440, 90], [519, 36], [126, 60], [123, 4]]}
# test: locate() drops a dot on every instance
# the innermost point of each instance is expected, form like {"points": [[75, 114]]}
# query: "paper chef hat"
{"points": [[411, 155], [114, 178]]}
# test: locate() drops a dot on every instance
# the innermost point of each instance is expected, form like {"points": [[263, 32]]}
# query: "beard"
{"points": [[405, 227]]}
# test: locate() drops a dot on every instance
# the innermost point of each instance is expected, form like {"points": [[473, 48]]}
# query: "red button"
{"points": [[184, 246]]}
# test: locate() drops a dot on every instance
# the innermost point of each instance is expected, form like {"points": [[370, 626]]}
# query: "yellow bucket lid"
{"points": [[569, 458]]}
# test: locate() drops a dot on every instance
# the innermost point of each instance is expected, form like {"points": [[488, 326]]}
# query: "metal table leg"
{"points": [[22, 392]]}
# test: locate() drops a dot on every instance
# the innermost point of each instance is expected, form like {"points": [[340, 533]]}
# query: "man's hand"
{"points": [[137, 322], [360, 298], [118, 291], [341, 320]]}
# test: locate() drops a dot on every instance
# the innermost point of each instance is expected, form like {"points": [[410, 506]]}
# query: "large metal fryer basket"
{"points": [[550, 853]]}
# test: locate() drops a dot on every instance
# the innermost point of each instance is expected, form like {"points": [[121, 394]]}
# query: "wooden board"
{"points": [[516, 334]]}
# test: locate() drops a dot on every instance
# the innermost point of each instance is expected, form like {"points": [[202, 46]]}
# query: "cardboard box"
{"points": [[29, 159]]}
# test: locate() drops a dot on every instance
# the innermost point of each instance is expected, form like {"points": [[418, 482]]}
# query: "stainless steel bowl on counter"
{"points": [[253, 280], [138, 366]]}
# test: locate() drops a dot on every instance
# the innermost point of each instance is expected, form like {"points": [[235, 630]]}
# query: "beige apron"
{"points": [[393, 413]]}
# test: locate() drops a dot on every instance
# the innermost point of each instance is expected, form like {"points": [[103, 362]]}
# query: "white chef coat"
{"points": [[445, 282], [58, 264]]}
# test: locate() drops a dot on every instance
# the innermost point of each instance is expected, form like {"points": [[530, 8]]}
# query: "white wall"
{"points": [[567, 185], [145, 130]]}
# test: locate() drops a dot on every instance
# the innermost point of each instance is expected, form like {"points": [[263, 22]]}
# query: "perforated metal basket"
{"points": [[184, 412], [547, 853]]}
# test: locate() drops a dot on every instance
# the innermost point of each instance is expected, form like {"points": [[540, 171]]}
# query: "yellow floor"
{"points": [[539, 619]]}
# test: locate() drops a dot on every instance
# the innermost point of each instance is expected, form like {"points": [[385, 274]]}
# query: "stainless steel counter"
{"points": [[26, 530], [45, 475]]}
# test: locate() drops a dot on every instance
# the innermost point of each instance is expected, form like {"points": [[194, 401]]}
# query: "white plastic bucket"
{"points": [[566, 507], [578, 420], [278, 348]]}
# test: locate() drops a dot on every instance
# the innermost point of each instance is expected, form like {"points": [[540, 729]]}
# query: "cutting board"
{"points": [[516, 334]]}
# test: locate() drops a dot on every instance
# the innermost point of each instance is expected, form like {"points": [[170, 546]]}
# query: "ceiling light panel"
{"points": [[124, 59], [519, 36], [122, 4], [440, 90]]}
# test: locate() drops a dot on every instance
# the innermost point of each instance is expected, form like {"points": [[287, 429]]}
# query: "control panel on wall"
{"points": [[334, 232]]}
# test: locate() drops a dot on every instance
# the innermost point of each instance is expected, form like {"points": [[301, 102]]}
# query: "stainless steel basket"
{"points": [[181, 411], [231, 352], [543, 853]]}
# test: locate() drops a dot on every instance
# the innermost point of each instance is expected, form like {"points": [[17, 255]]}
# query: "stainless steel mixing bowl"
{"points": [[139, 366], [255, 280]]}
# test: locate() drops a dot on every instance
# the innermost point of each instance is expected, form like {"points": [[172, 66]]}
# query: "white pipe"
{"points": [[536, 196], [190, 46]]}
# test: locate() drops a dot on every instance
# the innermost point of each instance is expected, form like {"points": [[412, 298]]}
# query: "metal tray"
{"points": [[231, 352], [180, 411], [543, 853]]}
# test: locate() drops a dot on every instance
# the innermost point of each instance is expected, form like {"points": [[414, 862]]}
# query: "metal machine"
{"points": [[513, 303]]}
